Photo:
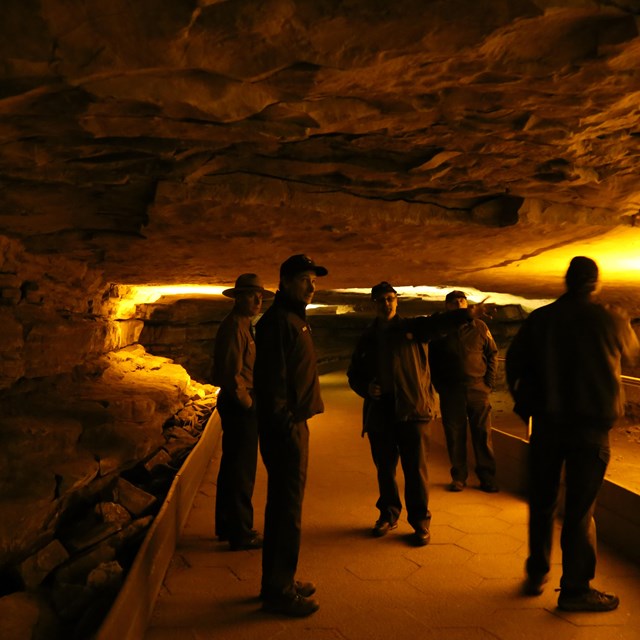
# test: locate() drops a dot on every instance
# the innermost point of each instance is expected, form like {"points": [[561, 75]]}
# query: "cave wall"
{"points": [[55, 313], [81, 400]]}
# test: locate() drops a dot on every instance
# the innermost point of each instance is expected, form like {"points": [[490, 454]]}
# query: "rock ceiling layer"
{"points": [[421, 141]]}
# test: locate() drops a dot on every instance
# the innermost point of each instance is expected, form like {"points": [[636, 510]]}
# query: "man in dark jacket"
{"points": [[288, 394], [463, 370], [234, 356], [563, 370], [390, 370]]}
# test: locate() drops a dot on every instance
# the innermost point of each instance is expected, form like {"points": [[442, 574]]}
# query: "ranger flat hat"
{"points": [[247, 282]]}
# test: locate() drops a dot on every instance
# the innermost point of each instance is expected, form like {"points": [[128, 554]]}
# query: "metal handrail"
{"points": [[631, 381], [628, 380]]}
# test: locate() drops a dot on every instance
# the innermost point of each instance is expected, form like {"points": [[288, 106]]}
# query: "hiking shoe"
{"points": [[253, 542], [294, 607], [489, 487], [592, 600], [382, 527], [534, 585], [421, 537], [304, 589]]}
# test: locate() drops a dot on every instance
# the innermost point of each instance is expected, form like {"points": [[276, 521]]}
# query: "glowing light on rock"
{"points": [[135, 295], [617, 253], [438, 293]]}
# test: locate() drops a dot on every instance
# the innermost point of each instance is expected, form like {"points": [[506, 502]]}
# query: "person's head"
{"points": [[298, 277], [455, 300], [248, 294], [385, 299], [582, 276]]}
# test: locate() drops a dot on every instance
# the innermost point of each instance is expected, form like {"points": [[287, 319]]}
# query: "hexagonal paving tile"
{"points": [[490, 543], [439, 554], [445, 534], [450, 582], [471, 509], [516, 623], [479, 524], [515, 513], [491, 566], [370, 568]]}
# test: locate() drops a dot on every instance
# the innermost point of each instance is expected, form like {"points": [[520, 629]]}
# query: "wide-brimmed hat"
{"points": [[248, 282], [299, 264]]}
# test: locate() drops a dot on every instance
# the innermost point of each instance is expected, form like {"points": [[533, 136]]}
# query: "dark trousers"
{"points": [[237, 474], [408, 442], [286, 457], [461, 407], [585, 461]]}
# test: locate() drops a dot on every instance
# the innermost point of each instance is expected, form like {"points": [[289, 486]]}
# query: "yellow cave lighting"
{"points": [[438, 293], [136, 295], [617, 253]]}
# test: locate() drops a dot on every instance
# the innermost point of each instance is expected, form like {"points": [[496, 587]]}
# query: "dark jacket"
{"points": [[467, 357], [285, 376], [413, 394], [565, 362]]}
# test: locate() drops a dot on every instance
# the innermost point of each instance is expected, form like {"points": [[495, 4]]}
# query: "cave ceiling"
{"points": [[462, 142]]}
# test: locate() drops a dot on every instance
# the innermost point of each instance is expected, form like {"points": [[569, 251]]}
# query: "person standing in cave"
{"points": [[463, 370], [233, 360], [563, 370], [390, 370], [288, 395]]}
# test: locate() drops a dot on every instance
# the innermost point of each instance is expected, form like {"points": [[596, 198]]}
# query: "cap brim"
{"points": [[231, 293], [320, 271]]}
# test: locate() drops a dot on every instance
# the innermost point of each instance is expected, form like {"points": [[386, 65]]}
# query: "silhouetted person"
{"points": [[390, 370], [288, 394], [563, 370], [463, 370], [233, 360]]}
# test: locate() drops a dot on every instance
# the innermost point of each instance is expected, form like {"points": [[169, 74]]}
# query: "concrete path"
{"points": [[464, 586]]}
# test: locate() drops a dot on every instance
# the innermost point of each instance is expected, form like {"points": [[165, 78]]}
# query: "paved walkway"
{"points": [[464, 586]]}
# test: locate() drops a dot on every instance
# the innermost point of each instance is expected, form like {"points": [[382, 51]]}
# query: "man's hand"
{"points": [[486, 310], [375, 390]]}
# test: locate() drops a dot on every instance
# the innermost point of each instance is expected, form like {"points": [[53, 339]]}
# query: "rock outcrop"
{"points": [[187, 141]]}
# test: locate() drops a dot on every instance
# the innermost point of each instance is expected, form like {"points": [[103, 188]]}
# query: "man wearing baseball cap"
{"points": [[233, 360], [288, 394], [463, 370], [390, 370]]}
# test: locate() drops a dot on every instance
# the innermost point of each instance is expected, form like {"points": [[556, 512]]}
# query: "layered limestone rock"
{"points": [[81, 401], [188, 141]]}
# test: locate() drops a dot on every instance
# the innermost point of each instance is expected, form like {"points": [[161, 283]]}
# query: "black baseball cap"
{"points": [[299, 263], [453, 295], [381, 288]]}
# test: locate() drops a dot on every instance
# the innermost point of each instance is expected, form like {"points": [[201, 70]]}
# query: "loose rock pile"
{"points": [[62, 572]]}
